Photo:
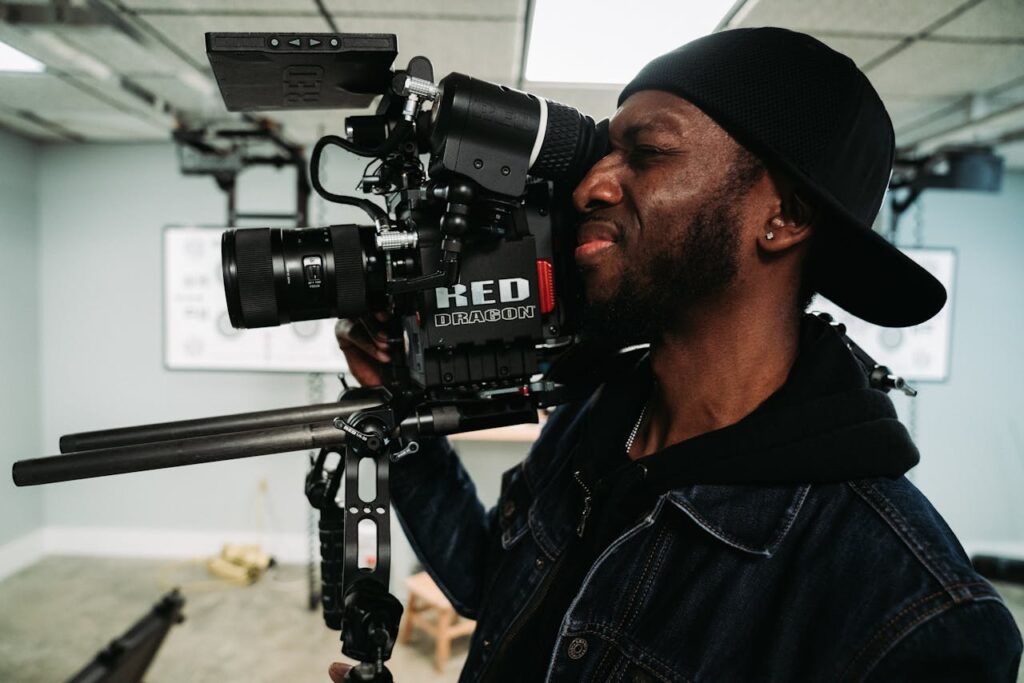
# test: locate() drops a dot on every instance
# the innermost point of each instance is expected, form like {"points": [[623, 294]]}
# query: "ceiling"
{"points": [[950, 71]]}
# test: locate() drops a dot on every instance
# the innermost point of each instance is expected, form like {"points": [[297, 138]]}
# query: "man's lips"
{"points": [[597, 230], [595, 236]]}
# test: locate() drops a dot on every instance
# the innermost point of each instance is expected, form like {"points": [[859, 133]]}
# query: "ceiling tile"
{"points": [[989, 19], [45, 93], [488, 50], [928, 69], [21, 40], [482, 49], [862, 16], [860, 50], [420, 9], [25, 128], [116, 50], [594, 101], [213, 6], [188, 32], [426, 8], [184, 97], [110, 126], [905, 111]]}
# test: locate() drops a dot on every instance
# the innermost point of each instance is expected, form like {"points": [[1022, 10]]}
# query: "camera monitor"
{"points": [[274, 71]]}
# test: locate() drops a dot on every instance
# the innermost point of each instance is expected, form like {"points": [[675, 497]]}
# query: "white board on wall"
{"points": [[197, 332], [920, 353]]}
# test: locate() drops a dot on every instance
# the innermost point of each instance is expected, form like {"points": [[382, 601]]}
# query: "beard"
{"points": [[667, 279]]}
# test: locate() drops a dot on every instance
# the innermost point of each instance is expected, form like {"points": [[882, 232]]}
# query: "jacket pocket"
{"points": [[513, 506]]}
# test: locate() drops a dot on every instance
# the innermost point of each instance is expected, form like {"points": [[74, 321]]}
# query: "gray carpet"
{"points": [[56, 614]]}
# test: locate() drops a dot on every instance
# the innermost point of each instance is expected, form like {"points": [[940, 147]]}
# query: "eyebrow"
{"points": [[657, 125]]}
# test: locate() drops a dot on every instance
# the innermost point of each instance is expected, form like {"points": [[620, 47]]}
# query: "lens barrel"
{"points": [[274, 276], [572, 143], [498, 136]]}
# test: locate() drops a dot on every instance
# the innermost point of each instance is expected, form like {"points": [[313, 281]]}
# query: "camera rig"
{"points": [[470, 258], [471, 261]]}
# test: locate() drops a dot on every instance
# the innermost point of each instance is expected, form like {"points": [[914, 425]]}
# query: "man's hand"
{"points": [[364, 343], [337, 672]]}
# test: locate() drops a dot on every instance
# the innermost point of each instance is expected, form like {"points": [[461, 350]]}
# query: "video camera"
{"points": [[473, 255], [472, 259]]}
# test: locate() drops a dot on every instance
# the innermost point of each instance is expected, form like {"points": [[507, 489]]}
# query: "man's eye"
{"points": [[642, 154]]}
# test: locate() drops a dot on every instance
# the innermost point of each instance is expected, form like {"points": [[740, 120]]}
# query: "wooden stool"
{"points": [[425, 598]]}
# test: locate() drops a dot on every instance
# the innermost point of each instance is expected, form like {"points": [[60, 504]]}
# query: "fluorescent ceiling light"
{"points": [[16, 60], [608, 41], [77, 59]]}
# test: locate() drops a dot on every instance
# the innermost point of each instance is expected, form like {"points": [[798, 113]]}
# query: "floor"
{"points": [[56, 614]]}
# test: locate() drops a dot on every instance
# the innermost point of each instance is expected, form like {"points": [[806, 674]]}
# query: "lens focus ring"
{"points": [[255, 268], [349, 277], [561, 141]]}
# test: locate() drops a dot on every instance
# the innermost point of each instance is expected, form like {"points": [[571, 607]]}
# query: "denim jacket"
{"points": [[856, 580]]}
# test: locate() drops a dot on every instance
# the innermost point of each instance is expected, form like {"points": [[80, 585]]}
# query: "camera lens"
{"points": [[274, 276]]}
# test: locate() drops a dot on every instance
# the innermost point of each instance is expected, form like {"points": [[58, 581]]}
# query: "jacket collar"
{"points": [[754, 519], [751, 518]]}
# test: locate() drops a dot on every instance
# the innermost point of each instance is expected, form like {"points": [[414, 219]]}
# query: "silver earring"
{"points": [[770, 236]]}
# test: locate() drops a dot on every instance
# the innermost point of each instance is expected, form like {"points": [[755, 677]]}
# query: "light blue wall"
{"points": [[102, 210], [21, 510], [971, 429]]}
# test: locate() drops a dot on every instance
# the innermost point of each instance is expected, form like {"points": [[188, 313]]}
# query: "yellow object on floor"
{"points": [[241, 564], [429, 610]]}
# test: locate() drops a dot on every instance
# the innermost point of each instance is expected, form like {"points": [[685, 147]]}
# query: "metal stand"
{"points": [[365, 427], [354, 594]]}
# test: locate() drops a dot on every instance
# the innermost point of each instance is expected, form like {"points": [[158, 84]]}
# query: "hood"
{"points": [[824, 425]]}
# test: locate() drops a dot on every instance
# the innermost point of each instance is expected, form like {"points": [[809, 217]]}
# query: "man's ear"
{"points": [[781, 234]]}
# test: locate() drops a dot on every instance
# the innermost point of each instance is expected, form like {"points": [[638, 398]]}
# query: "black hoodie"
{"points": [[824, 425]]}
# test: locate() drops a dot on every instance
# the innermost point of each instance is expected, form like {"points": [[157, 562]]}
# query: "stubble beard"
{"points": [[656, 289]]}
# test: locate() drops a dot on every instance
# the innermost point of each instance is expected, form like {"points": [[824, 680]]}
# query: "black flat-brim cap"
{"points": [[806, 109]]}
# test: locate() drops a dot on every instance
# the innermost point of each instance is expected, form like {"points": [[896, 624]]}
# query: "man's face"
{"points": [[661, 218]]}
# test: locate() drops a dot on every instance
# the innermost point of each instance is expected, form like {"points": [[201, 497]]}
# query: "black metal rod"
{"points": [[102, 462], [246, 435], [222, 424], [268, 216]]}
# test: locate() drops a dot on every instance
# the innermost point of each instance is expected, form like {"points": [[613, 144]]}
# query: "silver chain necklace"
{"points": [[636, 428]]}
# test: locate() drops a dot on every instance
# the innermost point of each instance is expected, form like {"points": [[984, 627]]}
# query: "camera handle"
{"points": [[356, 599]]}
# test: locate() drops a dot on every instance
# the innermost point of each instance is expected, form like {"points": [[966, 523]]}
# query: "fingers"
{"points": [[364, 368], [337, 672], [355, 334], [364, 341]]}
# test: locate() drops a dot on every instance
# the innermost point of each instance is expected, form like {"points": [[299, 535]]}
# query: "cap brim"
{"points": [[861, 272]]}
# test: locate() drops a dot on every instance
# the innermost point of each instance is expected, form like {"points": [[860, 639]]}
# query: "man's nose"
{"points": [[599, 188]]}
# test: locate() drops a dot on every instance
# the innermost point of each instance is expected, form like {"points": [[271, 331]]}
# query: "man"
{"points": [[730, 507]]}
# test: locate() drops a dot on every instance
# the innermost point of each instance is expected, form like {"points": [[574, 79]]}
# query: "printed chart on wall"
{"points": [[198, 334], [920, 353]]}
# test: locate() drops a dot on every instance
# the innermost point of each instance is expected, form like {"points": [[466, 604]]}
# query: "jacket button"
{"points": [[508, 509], [577, 648]]}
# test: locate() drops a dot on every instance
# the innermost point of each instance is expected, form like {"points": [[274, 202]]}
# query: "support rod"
{"points": [[176, 453], [222, 424]]}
